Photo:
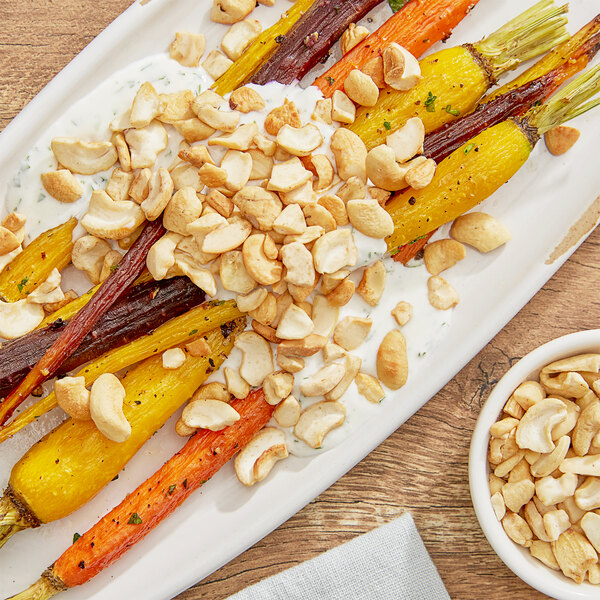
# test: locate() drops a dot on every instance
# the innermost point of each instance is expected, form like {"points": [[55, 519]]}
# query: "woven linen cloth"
{"points": [[388, 563]]}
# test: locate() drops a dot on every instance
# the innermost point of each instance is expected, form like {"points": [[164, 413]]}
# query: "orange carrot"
{"points": [[203, 455], [417, 26]]}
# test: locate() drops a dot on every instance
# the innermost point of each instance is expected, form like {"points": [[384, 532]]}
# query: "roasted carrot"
{"points": [[152, 501], [263, 47], [80, 325], [574, 55], [454, 79], [478, 168], [310, 39], [179, 330], [50, 250], [72, 463], [417, 26], [142, 309]]}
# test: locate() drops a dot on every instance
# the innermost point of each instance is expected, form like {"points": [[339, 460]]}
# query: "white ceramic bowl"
{"points": [[517, 559]]}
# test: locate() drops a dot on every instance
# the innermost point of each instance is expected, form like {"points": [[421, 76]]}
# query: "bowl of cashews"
{"points": [[534, 467]]}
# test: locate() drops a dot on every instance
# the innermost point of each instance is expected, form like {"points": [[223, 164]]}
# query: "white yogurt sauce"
{"points": [[89, 120]]}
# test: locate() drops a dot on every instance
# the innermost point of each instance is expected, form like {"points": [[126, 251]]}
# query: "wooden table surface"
{"points": [[422, 468]]}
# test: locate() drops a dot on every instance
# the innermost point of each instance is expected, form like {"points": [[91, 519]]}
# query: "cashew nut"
{"points": [[350, 154], [257, 458], [263, 270], [342, 108], [106, 408], [392, 360], [361, 89], [111, 220], [62, 185], [443, 254], [257, 357], [88, 256], [407, 141], [318, 420], [480, 230], [368, 217], [287, 412], [277, 386], [323, 381], [86, 158], [299, 141], [294, 324], [73, 397]]}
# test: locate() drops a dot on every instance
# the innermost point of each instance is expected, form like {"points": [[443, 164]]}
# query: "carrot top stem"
{"points": [[568, 103], [530, 34]]}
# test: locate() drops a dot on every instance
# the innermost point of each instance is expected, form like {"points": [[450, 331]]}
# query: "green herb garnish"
{"points": [[193, 332], [468, 148], [171, 489], [23, 283], [134, 519], [396, 5], [330, 80], [452, 111], [430, 102], [76, 536], [387, 125]]}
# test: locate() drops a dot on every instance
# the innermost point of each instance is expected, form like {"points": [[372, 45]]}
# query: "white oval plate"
{"points": [[539, 205]]}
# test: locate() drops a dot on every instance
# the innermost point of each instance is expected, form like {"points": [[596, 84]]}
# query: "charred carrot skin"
{"points": [[143, 308], [416, 27], [310, 39], [79, 326], [155, 499]]}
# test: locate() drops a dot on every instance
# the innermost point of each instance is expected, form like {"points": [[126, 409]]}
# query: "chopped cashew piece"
{"points": [[257, 458], [183, 208], [290, 221], [548, 463], [550, 490], [402, 312], [298, 262], [173, 358], [287, 113], [231, 11], [407, 141], [85, 158], [322, 112], [441, 294], [590, 523], [259, 206], [48, 291], [352, 364], [287, 412], [277, 386], [111, 220], [534, 431], [318, 420], [353, 36], [581, 465], [251, 301], [308, 346], [294, 324], [480, 230], [73, 397], [324, 316], [443, 254], [208, 413], [372, 284], [299, 141], [62, 185], [234, 276], [19, 318], [161, 256], [369, 387], [198, 347], [543, 552], [239, 37], [288, 176], [383, 170], [498, 505], [517, 529], [401, 69], [245, 99], [106, 408], [586, 428], [351, 332], [146, 106], [236, 385], [420, 174], [262, 269], [88, 256], [187, 48], [555, 523], [574, 555], [350, 154], [291, 364], [516, 495], [160, 190], [334, 250], [587, 496], [561, 139], [257, 357], [146, 144], [323, 381], [228, 237], [360, 88], [368, 217], [392, 360], [342, 108], [529, 393]]}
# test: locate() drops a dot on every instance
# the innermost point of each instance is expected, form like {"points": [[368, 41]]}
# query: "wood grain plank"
{"points": [[421, 468]]}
